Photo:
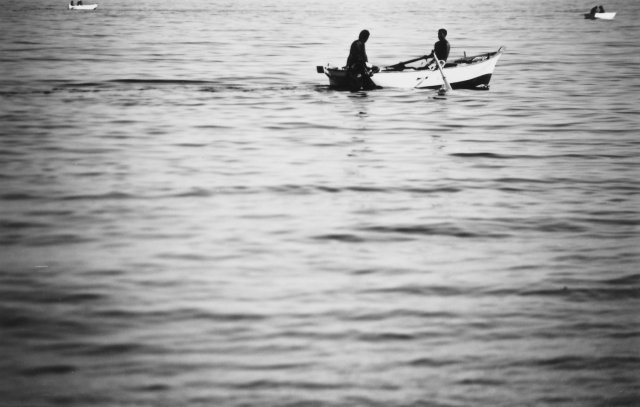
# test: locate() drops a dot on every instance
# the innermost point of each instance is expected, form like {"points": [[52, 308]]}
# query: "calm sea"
{"points": [[190, 217]]}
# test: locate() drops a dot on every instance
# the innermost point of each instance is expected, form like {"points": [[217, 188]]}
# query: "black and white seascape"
{"points": [[191, 217]]}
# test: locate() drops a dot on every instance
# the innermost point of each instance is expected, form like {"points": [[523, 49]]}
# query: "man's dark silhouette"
{"points": [[359, 76], [442, 47]]}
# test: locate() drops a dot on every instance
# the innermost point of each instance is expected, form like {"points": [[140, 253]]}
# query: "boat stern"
{"points": [[338, 78]]}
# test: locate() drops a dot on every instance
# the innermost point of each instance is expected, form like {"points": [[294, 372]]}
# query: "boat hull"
{"points": [[600, 16], [465, 73], [83, 7]]}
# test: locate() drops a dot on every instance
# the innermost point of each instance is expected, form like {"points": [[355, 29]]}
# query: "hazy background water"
{"points": [[191, 217]]}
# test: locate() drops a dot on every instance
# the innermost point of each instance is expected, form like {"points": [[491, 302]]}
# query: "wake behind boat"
{"points": [[465, 73]]}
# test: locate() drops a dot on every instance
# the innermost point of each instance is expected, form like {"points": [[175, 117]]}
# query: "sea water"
{"points": [[191, 217]]}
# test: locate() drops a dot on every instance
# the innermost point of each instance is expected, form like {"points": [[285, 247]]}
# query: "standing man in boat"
{"points": [[441, 48], [359, 74]]}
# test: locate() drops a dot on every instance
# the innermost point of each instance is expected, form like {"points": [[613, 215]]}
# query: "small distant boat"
{"points": [[601, 16], [83, 7], [465, 73]]}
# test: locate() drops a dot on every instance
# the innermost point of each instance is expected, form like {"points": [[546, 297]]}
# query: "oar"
{"points": [[447, 87], [401, 64]]}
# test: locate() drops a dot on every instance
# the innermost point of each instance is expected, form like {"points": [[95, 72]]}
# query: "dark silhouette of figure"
{"points": [[593, 11], [359, 74], [441, 49], [600, 9]]}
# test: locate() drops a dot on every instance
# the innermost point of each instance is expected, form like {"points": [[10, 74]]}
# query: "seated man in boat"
{"points": [[594, 10], [441, 49], [79, 2], [357, 69], [600, 9], [71, 3]]}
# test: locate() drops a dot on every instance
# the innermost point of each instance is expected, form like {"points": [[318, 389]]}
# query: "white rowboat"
{"points": [[83, 7], [601, 16], [464, 73]]}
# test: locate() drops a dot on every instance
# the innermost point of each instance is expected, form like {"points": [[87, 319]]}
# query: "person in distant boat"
{"points": [[79, 2], [441, 48], [600, 9], [594, 10], [359, 74]]}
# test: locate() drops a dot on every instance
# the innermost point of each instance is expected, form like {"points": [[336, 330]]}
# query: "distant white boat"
{"points": [[601, 16], [83, 7]]}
